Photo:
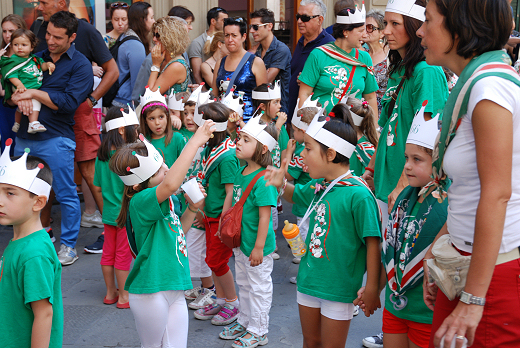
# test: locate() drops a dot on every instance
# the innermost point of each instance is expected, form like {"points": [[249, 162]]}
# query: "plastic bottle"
{"points": [[291, 232]]}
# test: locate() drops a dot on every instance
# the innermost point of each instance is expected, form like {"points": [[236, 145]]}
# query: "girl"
{"points": [[253, 260], [22, 71], [363, 121], [345, 225], [161, 272], [120, 129], [218, 168], [217, 49]]}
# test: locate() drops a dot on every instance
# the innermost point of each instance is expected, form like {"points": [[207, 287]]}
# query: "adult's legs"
{"points": [[87, 169], [90, 202]]}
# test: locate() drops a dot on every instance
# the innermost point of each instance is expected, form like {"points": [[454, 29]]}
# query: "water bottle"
{"points": [[291, 232]]}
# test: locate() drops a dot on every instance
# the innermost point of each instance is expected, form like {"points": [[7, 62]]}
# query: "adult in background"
{"points": [[484, 196], [119, 20], [217, 49], [338, 6], [275, 54], [252, 73], [215, 19], [310, 17], [60, 95], [378, 50], [341, 67]]}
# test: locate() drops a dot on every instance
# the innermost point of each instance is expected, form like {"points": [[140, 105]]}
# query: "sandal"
{"points": [[232, 332], [243, 342]]}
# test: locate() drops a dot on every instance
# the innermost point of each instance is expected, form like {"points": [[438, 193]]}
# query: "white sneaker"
{"points": [[296, 260], [193, 293], [92, 220], [275, 256], [292, 280], [67, 255], [206, 297], [373, 341], [356, 311]]}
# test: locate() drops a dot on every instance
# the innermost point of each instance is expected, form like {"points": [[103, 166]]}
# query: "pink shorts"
{"points": [[116, 251]]}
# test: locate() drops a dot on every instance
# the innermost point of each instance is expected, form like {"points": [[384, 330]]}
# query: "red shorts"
{"points": [[86, 133], [217, 253], [116, 251], [418, 333], [500, 323]]}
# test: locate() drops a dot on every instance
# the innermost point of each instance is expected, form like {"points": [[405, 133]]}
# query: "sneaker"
{"points": [[275, 256], [35, 127], [207, 312], [228, 314], [193, 293], [356, 311], [67, 255], [96, 247], [92, 220], [296, 260], [373, 341], [16, 127], [292, 280], [51, 235], [206, 297]]}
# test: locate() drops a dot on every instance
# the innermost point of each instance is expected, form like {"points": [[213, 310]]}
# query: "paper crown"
{"points": [[327, 138], [423, 133], [233, 103], [199, 119], [174, 104], [149, 97], [297, 120], [16, 173], [200, 97], [128, 119], [355, 117], [406, 8], [148, 165], [257, 131], [353, 18], [274, 91]]}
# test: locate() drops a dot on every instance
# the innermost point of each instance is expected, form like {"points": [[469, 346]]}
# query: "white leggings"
{"points": [[161, 319]]}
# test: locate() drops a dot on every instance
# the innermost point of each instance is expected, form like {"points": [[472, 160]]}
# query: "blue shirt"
{"points": [[299, 58], [68, 86], [131, 55], [278, 56]]}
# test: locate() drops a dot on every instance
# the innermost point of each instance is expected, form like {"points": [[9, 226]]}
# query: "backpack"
{"points": [[231, 222], [114, 50]]}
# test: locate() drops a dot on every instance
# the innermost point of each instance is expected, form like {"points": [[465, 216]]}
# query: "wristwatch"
{"points": [[93, 100], [470, 299], [155, 68]]}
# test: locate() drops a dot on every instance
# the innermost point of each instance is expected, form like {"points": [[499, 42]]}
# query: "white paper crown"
{"points": [[355, 117], [353, 18], [233, 103], [199, 119], [148, 165], [423, 133], [174, 104], [128, 119], [297, 120], [406, 8], [16, 173], [257, 131], [274, 91], [149, 97], [320, 134], [200, 97]]}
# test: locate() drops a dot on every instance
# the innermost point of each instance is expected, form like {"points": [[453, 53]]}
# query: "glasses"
{"points": [[305, 18], [371, 28], [119, 5], [256, 26], [233, 20]]}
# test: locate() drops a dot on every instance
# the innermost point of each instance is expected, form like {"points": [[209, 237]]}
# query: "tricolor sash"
{"points": [[211, 159]]}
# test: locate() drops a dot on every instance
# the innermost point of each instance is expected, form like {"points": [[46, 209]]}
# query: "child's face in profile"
{"points": [[158, 177], [274, 107], [314, 158], [189, 123], [298, 134], [22, 46], [246, 146], [418, 166], [15, 205]]}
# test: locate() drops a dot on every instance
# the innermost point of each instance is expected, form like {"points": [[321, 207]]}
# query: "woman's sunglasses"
{"points": [[233, 20], [119, 5], [305, 18], [371, 28], [256, 26]]}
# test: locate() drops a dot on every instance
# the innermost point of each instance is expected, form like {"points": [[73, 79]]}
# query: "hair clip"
{"points": [[365, 104], [332, 114]]}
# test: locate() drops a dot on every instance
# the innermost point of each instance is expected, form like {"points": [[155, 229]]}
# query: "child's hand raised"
{"points": [[275, 176], [282, 118], [204, 133], [291, 147], [52, 67], [176, 122]]}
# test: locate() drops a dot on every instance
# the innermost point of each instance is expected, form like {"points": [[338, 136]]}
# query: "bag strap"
{"points": [[237, 70], [394, 97], [250, 187], [349, 78]]}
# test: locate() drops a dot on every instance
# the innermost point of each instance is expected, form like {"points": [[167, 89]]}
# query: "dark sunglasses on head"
{"points": [[305, 18], [119, 5], [256, 26], [371, 28]]}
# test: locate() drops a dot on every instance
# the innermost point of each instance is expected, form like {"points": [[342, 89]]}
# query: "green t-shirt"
{"points": [[185, 133], [361, 156], [328, 76], [29, 271], [171, 152], [281, 145], [300, 176], [30, 74], [260, 196], [216, 188], [427, 83], [112, 189], [162, 261], [335, 261]]}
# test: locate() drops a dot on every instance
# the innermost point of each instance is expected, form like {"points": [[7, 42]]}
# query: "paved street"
{"points": [[90, 323]]}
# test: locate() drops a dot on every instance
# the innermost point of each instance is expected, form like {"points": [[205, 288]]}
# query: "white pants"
{"points": [[274, 215], [255, 289], [303, 228], [196, 244], [161, 319]]}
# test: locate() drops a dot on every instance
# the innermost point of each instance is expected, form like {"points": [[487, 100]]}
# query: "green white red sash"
{"points": [[337, 53], [211, 160]]}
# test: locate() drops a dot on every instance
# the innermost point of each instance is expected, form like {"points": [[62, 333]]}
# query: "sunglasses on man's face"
{"points": [[256, 26], [305, 18], [371, 28], [119, 5]]}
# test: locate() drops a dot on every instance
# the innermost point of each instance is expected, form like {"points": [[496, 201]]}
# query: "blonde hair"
{"points": [[172, 35], [211, 47]]}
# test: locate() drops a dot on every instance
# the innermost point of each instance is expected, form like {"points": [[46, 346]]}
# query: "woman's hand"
{"points": [[429, 289], [463, 321], [157, 55], [275, 176], [256, 257]]}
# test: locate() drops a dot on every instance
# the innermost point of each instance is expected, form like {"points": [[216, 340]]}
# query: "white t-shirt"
{"points": [[460, 164]]}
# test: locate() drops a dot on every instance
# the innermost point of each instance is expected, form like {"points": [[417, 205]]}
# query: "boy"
{"points": [[31, 309]]}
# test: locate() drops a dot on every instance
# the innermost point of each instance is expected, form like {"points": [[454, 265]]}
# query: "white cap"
{"points": [[148, 165], [423, 133], [257, 131], [359, 16], [406, 8], [128, 119], [274, 91]]}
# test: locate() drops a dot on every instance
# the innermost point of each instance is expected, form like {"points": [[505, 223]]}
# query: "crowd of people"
{"points": [[392, 134]]}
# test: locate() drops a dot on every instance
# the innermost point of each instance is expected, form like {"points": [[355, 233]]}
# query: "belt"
{"points": [[510, 256]]}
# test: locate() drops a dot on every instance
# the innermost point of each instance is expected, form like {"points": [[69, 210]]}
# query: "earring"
{"points": [[381, 41], [171, 55], [346, 36]]}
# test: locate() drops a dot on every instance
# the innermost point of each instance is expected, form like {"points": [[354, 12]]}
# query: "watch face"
{"points": [[464, 297]]}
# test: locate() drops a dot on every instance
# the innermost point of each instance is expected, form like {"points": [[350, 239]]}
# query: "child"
{"points": [[120, 128], [345, 224], [217, 174], [160, 273], [176, 103], [24, 71], [157, 128], [31, 307], [363, 121], [253, 260]]}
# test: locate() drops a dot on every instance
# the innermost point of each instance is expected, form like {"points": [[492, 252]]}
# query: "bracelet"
{"points": [[369, 169], [155, 68], [193, 211]]}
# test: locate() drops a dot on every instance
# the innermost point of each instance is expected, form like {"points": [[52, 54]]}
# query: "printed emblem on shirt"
{"points": [[181, 238], [237, 193], [319, 232]]}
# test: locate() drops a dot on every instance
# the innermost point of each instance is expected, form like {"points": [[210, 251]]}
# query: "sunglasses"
{"points": [[305, 18], [233, 20], [119, 5], [157, 35], [256, 26], [371, 28]]}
